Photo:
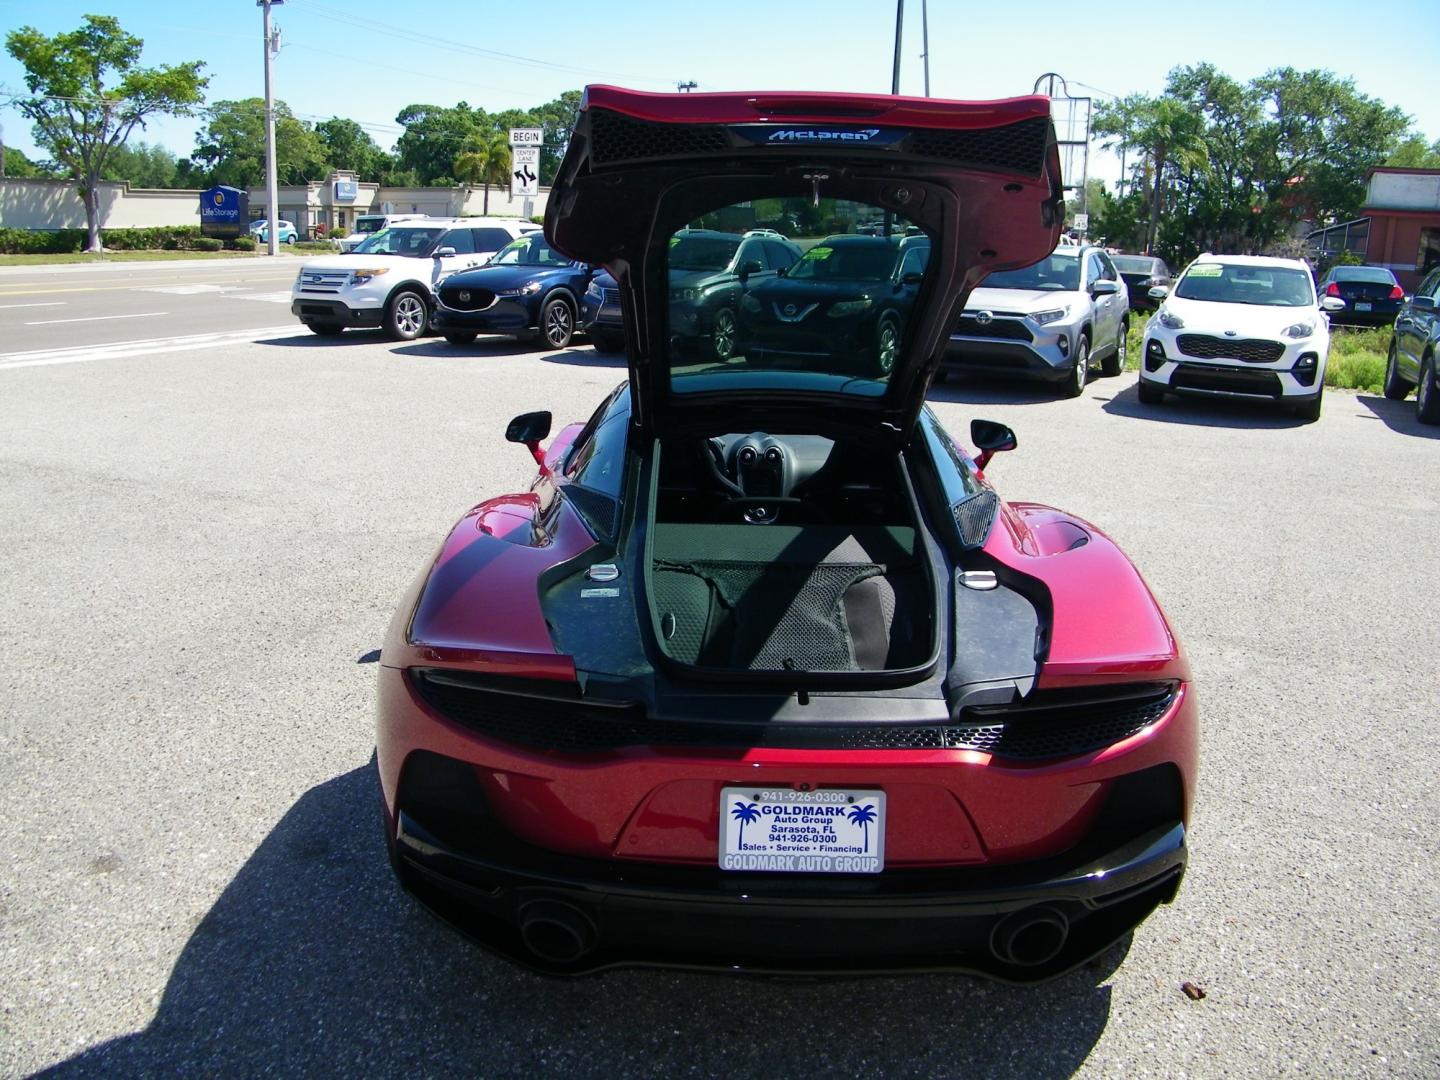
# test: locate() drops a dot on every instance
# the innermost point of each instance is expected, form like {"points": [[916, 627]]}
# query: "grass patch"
{"points": [[118, 257]]}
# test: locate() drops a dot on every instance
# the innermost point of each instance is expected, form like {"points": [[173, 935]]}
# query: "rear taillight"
{"points": [[1397, 293], [1332, 289]]}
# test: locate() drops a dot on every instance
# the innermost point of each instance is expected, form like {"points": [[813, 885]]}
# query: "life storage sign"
{"points": [[817, 832], [224, 212]]}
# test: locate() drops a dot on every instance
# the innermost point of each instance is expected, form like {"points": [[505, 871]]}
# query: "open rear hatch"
{"points": [[979, 180]]}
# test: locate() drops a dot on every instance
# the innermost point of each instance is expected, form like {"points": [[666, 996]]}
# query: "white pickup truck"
{"points": [[388, 281], [366, 225]]}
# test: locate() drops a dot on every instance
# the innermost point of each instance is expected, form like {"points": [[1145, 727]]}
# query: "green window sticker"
{"points": [[1206, 270], [817, 253]]}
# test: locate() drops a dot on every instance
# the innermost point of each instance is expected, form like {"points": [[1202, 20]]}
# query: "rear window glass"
{"points": [[827, 307], [1364, 273], [1134, 264]]}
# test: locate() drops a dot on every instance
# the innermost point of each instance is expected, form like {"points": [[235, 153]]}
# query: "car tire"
{"points": [[1080, 369], [1427, 394], [557, 323], [1309, 411], [1114, 364], [887, 346], [1395, 388], [407, 315], [326, 329], [607, 342], [1150, 395], [289, 239], [460, 337], [722, 334]]}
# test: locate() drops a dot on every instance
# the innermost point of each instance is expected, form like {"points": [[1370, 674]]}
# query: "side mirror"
{"points": [[991, 438], [1332, 303], [748, 267], [529, 428], [914, 277], [443, 253], [1422, 303], [1104, 288], [1159, 292]]}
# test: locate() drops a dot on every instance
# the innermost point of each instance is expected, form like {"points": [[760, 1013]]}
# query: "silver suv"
{"points": [[1049, 321]]}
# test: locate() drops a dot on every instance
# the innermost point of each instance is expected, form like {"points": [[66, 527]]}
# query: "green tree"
{"points": [[1412, 153], [435, 136], [485, 160], [89, 94], [143, 165], [232, 146], [349, 146], [17, 166]]}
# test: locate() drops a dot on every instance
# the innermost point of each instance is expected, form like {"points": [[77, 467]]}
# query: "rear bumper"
{"points": [[334, 311], [565, 916]]}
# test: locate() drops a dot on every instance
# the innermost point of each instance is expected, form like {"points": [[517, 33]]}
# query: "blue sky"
{"points": [[366, 59]]}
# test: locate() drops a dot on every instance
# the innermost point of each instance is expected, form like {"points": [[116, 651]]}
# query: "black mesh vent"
{"points": [[459, 298], [1016, 148], [974, 517], [1206, 347], [1048, 724], [1230, 380], [598, 510], [1010, 329], [618, 138]]}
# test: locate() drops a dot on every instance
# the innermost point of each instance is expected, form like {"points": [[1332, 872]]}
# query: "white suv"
{"points": [[1240, 326], [389, 280]]}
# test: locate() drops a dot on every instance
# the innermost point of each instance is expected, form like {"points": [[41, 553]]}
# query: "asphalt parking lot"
{"points": [[202, 548]]}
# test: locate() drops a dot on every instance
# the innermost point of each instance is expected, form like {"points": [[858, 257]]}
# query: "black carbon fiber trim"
{"points": [[1048, 724], [974, 516], [615, 138], [1018, 148]]}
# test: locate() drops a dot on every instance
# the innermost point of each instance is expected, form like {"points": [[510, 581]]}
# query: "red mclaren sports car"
{"points": [[761, 674]]}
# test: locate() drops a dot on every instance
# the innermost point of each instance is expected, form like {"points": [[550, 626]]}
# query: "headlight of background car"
{"points": [[683, 294], [524, 290], [1299, 330], [362, 276], [1170, 320], [1043, 318], [848, 307], [594, 291]]}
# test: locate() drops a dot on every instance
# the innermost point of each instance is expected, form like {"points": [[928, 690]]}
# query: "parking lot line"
{"points": [[118, 350], [98, 318], [50, 303]]}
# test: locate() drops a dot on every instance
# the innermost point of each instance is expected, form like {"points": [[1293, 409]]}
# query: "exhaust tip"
{"points": [[1031, 937], [557, 932]]}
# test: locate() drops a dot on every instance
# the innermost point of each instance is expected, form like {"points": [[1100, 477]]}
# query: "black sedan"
{"points": [[526, 289], [849, 298], [1141, 273], [1372, 295]]}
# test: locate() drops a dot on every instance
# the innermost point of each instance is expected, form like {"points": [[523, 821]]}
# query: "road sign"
{"points": [[527, 137], [1082, 222], [524, 171]]}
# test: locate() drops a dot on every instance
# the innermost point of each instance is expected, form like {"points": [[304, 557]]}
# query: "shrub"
{"points": [[243, 243], [314, 245], [34, 242], [207, 243]]}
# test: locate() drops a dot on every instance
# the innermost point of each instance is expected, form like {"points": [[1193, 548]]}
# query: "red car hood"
{"points": [[982, 179]]}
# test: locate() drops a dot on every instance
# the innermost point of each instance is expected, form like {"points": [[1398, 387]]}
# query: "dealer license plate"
{"points": [[817, 832], [1360, 305]]}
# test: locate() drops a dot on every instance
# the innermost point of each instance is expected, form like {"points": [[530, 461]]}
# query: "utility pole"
{"points": [[272, 182], [925, 40], [899, 27]]}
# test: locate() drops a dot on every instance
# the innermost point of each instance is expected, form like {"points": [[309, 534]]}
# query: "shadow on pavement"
{"points": [[314, 963], [305, 339], [1202, 412], [1399, 416], [991, 390]]}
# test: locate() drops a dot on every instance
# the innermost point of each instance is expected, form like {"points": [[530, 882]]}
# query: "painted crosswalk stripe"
{"points": [[98, 318], [52, 303], [120, 350]]}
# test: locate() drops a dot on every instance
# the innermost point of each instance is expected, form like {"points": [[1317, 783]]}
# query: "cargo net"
{"points": [[766, 616]]}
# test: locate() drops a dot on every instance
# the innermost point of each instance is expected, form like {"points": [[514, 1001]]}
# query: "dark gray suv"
{"points": [[1415, 350]]}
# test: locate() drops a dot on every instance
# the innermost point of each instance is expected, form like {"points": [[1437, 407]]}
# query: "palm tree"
{"points": [[1171, 134], [485, 160], [863, 816], [746, 814]]}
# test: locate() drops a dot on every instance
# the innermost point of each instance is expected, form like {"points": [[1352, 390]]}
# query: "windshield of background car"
{"points": [[367, 224], [785, 293], [1373, 274], [1233, 283], [413, 243], [531, 250], [1133, 264], [1058, 272]]}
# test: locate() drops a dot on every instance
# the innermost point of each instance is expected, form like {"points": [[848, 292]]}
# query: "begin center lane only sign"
{"points": [[525, 171]]}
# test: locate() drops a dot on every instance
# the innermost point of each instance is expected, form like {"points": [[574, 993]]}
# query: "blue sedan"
{"points": [[526, 289]]}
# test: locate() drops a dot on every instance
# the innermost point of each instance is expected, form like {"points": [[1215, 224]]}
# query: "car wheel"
{"points": [[460, 337], [407, 315], [1310, 411], [289, 239], [326, 329], [1427, 394], [1080, 370], [1150, 395], [1113, 364], [1395, 387], [887, 346], [722, 334], [557, 323], [608, 342]]}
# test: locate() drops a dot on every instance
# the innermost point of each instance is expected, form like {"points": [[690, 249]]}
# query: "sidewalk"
{"points": [[242, 259]]}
